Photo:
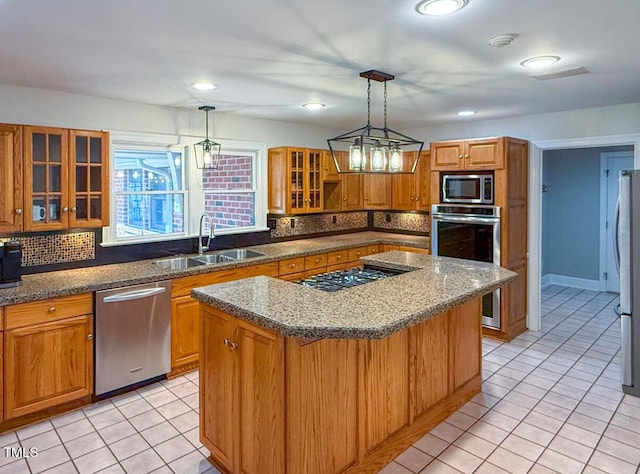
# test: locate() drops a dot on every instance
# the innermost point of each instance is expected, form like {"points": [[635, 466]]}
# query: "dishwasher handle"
{"points": [[134, 295]]}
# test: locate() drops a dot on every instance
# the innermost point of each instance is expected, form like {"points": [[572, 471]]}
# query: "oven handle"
{"points": [[470, 220]]}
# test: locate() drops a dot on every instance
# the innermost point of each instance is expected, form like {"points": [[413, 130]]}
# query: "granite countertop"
{"points": [[374, 310], [82, 280]]}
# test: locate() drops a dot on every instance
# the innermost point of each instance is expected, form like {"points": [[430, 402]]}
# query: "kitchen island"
{"points": [[293, 379]]}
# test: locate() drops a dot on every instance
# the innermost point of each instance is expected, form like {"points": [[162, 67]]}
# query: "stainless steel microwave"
{"points": [[467, 188]]}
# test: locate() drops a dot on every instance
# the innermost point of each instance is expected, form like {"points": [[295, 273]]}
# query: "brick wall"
{"points": [[230, 209]]}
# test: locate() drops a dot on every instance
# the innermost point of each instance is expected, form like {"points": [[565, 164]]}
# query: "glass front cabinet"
{"points": [[66, 178]]}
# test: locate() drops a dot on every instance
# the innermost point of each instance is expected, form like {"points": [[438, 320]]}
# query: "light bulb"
{"points": [[356, 157], [207, 158], [395, 159], [378, 157]]}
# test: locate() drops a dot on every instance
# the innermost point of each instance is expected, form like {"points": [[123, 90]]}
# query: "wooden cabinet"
{"points": [[11, 208], [329, 169], [185, 316], [412, 192], [242, 368], [185, 332], [458, 155], [66, 178], [48, 354], [377, 191], [295, 180]]}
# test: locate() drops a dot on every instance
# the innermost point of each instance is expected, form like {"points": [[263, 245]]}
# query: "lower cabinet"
{"points": [[185, 331], [47, 364], [242, 370], [338, 405]]}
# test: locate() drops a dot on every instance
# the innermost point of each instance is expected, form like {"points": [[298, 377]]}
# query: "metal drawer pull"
{"points": [[52, 309], [134, 295]]}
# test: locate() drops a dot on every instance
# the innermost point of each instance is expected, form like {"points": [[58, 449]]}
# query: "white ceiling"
{"points": [[268, 57]]}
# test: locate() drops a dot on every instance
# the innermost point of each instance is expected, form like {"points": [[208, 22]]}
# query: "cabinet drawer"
{"points": [[53, 309], [356, 253], [373, 249], [389, 247], [291, 265], [339, 256], [293, 276], [312, 262]]}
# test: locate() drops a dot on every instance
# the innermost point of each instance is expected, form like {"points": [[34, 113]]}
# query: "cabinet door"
{"points": [[261, 399], [296, 170], [423, 183], [447, 156], [352, 192], [486, 154], [403, 186], [46, 199], [219, 422], [329, 170], [185, 331], [313, 180], [11, 178], [88, 179], [377, 191], [47, 364]]}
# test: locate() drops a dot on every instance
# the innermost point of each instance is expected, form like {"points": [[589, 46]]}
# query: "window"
{"points": [[149, 194], [158, 194], [230, 192]]}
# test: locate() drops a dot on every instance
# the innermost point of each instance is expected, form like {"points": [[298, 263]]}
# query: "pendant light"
{"points": [[385, 146], [207, 151]]}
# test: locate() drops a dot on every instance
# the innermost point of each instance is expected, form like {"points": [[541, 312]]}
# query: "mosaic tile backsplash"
{"points": [[56, 248], [402, 221], [313, 224]]}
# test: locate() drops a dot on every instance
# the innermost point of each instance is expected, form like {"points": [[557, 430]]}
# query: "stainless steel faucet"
{"points": [[212, 234]]}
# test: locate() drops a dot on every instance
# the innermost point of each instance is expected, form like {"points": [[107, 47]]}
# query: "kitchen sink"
{"points": [[178, 263]]}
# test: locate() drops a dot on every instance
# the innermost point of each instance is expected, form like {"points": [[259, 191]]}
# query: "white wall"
{"points": [[60, 109], [594, 122]]}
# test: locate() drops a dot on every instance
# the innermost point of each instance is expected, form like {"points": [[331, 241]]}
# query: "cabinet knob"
{"points": [[344, 199], [89, 336], [366, 198], [73, 209], [466, 156], [338, 257], [293, 265], [65, 209], [317, 260], [52, 309], [227, 342], [18, 211], [233, 346], [460, 157]]}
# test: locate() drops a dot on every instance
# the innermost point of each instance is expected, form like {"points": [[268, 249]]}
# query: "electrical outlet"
{"points": [[387, 217], [272, 224], [334, 219], [292, 221]]}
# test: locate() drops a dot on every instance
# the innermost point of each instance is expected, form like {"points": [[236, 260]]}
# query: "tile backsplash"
{"points": [[406, 221], [313, 224], [56, 248]]}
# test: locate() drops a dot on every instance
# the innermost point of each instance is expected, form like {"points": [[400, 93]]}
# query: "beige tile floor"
{"points": [[551, 402]]}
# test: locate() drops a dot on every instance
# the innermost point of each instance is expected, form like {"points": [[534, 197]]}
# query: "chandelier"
{"points": [[374, 149], [207, 151]]}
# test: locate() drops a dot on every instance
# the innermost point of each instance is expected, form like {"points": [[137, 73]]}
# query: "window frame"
{"points": [[194, 194]]}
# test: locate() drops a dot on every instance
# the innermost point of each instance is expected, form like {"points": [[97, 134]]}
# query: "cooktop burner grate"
{"points": [[342, 279]]}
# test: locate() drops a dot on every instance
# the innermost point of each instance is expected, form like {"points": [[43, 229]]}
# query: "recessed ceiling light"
{"points": [[540, 61], [466, 113], [203, 86], [440, 7], [313, 106]]}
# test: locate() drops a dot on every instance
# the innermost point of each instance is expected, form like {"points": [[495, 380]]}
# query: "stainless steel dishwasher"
{"points": [[132, 336]]}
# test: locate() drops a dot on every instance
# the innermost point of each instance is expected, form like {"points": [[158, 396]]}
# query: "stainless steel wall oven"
{"points": [[473, 233]]}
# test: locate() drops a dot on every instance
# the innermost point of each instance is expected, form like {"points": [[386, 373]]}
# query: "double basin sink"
{"points": [[180, 263]]}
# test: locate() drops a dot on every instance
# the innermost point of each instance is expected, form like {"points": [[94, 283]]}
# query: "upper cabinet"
{"points": [[377, 191], [329, 169], [410, 192], [66, 178], [295, 180], [11, 178], [480, 154]]}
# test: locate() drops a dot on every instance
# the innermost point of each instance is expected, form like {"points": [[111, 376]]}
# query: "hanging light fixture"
{"points": [[385, 154], [207, 151]]}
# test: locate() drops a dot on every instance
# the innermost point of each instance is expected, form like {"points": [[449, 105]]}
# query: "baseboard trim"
{"points": [[573, 282]]}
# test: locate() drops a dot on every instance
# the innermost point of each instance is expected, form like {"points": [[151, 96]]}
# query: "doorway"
{"points": [[611, 163]]}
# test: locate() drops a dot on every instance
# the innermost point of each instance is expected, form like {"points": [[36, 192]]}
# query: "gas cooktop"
{"points": [[343, 279]]}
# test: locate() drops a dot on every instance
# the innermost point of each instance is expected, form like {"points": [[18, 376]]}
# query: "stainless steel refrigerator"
{"points": [[628, 258]]}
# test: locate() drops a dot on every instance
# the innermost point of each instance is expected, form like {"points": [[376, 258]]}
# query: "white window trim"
{"points": [[194, 192]]}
